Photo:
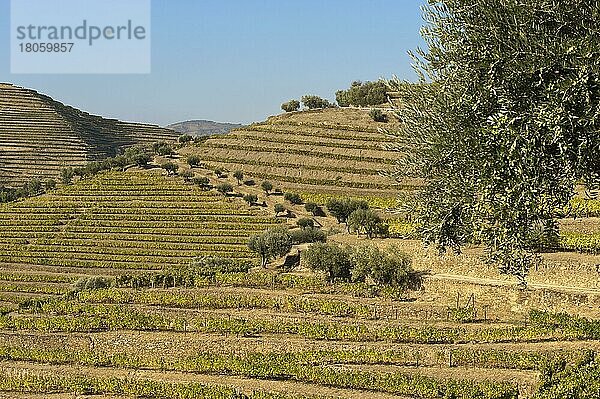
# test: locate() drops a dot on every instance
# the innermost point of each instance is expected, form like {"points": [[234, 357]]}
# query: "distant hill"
{"points": [[203, 127], [39, 136]]}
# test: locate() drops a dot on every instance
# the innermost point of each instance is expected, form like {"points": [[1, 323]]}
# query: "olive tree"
{"points": [[224, 188], [267, 186], [503, 123], [291, 106], [271, 244], [170, 167], [332, 259], [364, 220], [342, 208], [239, 176]]}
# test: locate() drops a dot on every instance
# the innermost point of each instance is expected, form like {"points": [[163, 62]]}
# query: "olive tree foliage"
{"points": [[504, 121], [364, 220], [363, 94], [385, 267], [291, 106], [315, 102], [271, 244]]}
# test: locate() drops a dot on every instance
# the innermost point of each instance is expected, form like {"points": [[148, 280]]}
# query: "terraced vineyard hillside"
{"points": [[118, 222], [335, 151], [39, 136], [465, 334]]}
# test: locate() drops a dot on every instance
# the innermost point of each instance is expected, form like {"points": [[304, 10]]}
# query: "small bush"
{"points": [[194, 160], [291, 106], [187, 175], [292, 198], [378, 116], [307, 235], [250, 199], [170, 167], [91, 283], [185, 139], [267, 186], [66, 175], [224, 188], [218, 173], [305, 222], [50, 184], [33, 187], [279, 208], [201, 181]]}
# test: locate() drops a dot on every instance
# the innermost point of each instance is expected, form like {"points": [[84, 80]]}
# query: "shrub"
{"points": [[250, 199], [91, 283], [218, 173], [314, 102], [291, 106], [66, 175], [390, 267], [239, 176], [194, 160], [293, 198], [33, 187], [331, 259], [365, 220], [305, 222], [120, 161], [307, 235], [50, 184], [267, 186], [170, 167], [224, 188], [378, 116], [187, 175], [201, 181], [270, 244], [185, 139], [279, 208]]}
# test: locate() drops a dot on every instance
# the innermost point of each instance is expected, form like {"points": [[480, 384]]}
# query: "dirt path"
{"points": [[245, 384], [503, 283]]}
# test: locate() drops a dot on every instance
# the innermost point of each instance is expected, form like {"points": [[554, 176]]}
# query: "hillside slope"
{"points": [[332, 151], [39, 136], [124, 220], [203, 127]]}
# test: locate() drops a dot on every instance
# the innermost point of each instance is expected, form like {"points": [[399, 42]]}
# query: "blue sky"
{"points": [[238, 60]]}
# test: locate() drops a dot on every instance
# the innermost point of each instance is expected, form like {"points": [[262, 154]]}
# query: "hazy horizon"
{"points": [[237, 61]]}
